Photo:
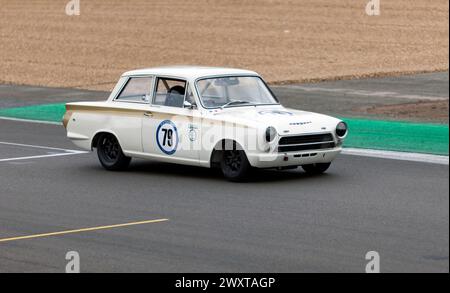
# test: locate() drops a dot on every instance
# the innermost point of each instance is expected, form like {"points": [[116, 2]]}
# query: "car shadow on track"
{"points": [[184, 171]]}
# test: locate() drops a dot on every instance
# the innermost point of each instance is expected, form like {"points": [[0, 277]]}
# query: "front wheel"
{"points": [[110, 153], [235, 165], [317, 168]]}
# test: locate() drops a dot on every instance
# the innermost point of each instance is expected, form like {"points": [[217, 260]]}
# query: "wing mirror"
{"points": [[189, 105], [145, 98]]}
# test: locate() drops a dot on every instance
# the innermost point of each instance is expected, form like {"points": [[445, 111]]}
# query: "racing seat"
{"points": [[175, 97]]}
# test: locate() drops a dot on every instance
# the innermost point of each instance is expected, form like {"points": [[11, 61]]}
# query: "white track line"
{"points": [[65, 152], [38, 147], [30, 121], [43, 156], [392, 155]]}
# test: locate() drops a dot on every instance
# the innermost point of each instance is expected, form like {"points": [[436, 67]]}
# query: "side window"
{"points": [[170, 92], [137, 89]]}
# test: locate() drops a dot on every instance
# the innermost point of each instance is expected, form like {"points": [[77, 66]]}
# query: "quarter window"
{"points": [[190, 96], [137, 89]]}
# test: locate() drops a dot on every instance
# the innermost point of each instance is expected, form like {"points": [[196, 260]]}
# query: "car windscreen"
{"points": [[234, 91]]}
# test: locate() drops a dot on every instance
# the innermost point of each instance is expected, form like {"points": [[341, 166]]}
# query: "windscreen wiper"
{"points": [[235, 103]]}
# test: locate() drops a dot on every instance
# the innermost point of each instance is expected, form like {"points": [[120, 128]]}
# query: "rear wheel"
{"points": [[235, 165], [317, 168], [110, 153]]}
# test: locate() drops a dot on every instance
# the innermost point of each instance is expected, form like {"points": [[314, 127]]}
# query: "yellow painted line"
{"points": [[83, 230]]}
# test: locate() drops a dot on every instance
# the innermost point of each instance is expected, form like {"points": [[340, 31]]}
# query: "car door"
{"points": [[169, 129], [126, 118]]}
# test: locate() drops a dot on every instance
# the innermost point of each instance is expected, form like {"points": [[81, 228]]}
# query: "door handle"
{"points": [[148, 114]]}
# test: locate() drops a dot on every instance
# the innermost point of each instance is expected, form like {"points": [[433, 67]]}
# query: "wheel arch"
{"points": [[223, 144], [97, 135]]}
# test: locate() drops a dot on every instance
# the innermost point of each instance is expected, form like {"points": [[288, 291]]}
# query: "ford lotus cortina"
{"points": [[202, 116]]}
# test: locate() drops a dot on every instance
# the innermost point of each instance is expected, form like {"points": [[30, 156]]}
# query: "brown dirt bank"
{"points": [[428, 111], [283, 40]]}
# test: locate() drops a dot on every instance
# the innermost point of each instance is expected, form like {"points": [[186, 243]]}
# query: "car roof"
{"points": [[189, 72]]}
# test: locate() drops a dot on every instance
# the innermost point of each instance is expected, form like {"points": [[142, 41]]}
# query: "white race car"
{"points": [[203, 116]]}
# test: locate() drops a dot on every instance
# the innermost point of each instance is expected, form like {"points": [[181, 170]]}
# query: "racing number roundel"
{"points": [[167, 137]]}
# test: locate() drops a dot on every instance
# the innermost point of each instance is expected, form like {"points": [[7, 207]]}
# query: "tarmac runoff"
{"points": [[279, 221]]}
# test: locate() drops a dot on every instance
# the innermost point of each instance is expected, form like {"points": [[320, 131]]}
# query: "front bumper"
{"points": [[275, 160]]}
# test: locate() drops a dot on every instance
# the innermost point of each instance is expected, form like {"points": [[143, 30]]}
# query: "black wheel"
{"points": [[317, 168], [110, 153], [235, 165]]}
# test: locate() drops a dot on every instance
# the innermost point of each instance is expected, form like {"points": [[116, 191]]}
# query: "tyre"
{"points": [[234, 165], [110, 153], [317, 168]]}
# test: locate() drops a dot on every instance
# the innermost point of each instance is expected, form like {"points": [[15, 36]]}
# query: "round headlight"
{"points": [[271, 133], [341, 129]]}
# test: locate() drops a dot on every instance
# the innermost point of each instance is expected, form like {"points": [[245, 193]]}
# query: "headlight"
{"points": [[341, 129], [271, 133]]}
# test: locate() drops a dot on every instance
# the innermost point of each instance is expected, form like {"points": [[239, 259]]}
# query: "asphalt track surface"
{"points": [[344, 97], [280, 221]]}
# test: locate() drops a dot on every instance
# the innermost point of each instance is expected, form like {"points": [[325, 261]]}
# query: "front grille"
{"points": [[306, 142]]}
